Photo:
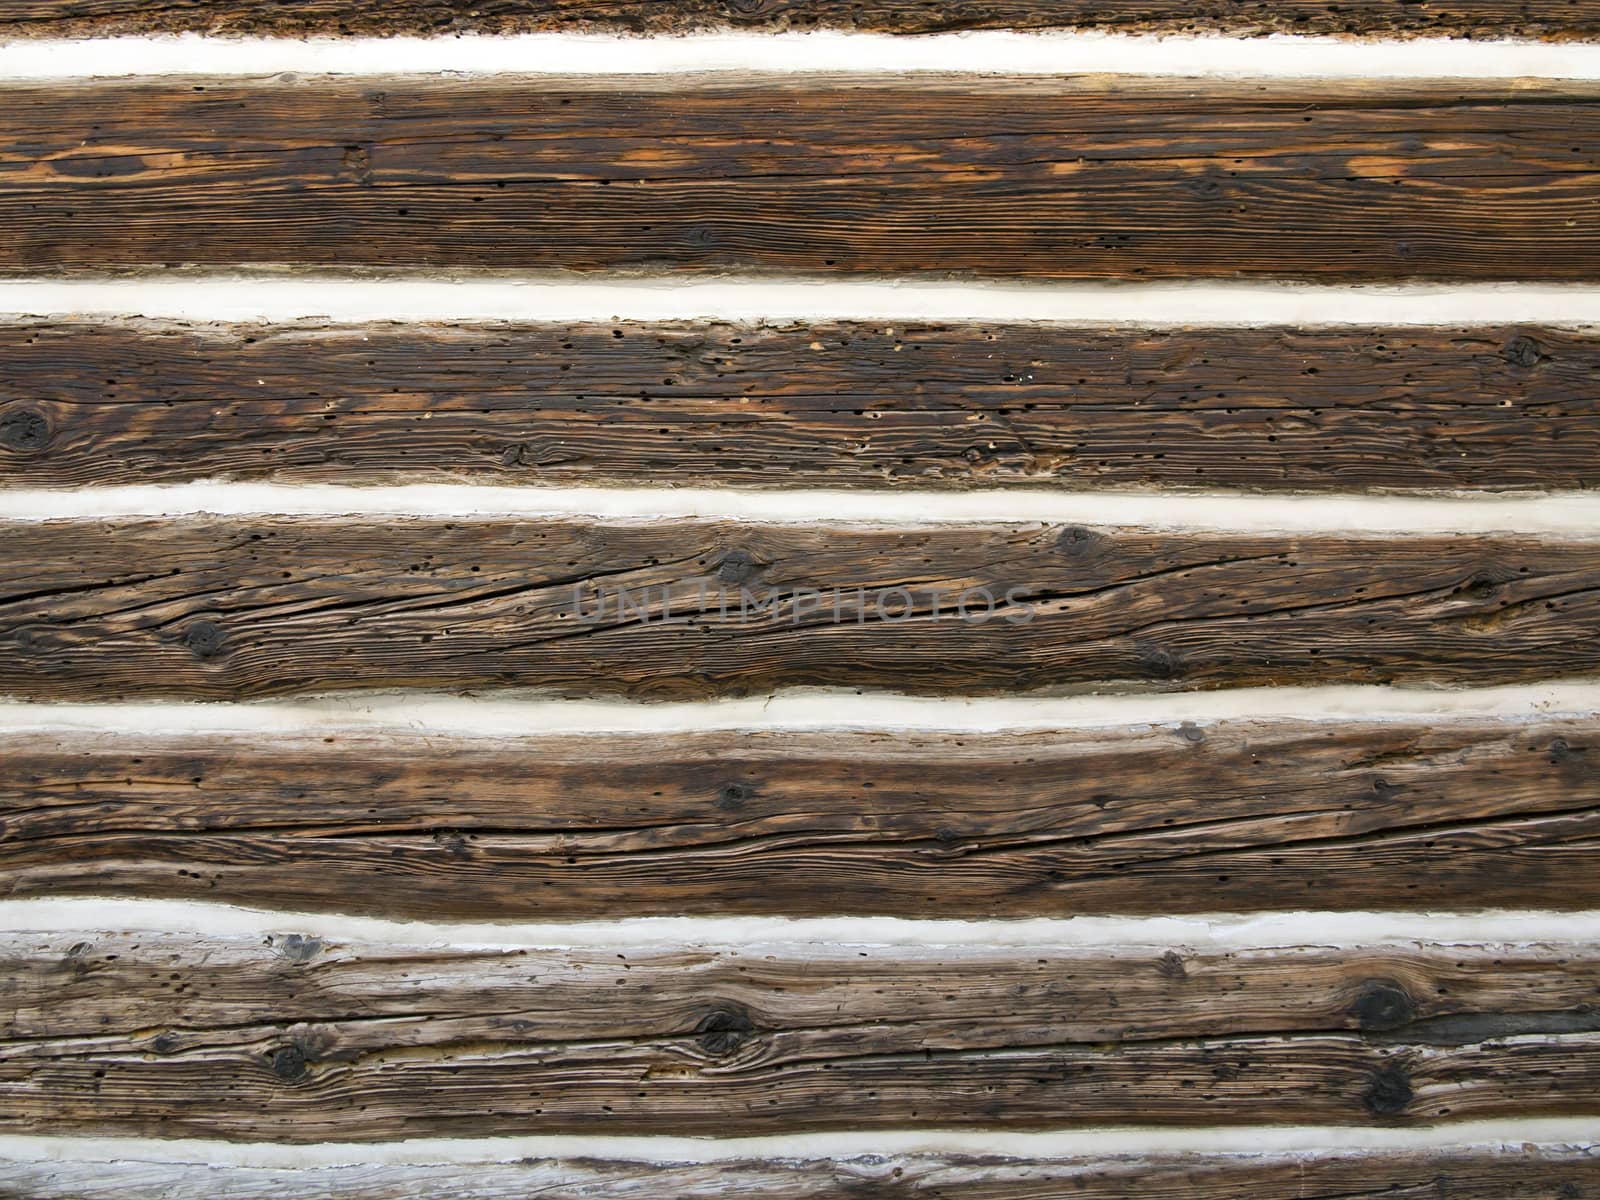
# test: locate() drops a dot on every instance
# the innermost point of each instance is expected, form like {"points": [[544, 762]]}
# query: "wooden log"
{"points": [[1477, 18], [1063, 178], [1235, 816], [833, 404], [227, 608], [1536, 1173], [305, 1039]]}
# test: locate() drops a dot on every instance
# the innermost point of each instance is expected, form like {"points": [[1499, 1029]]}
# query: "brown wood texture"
{"points": [[303, 1039], [1559, 19], [1536, 1173], [1061, 178], [837, 405], [228, 608], [1234, 816]]}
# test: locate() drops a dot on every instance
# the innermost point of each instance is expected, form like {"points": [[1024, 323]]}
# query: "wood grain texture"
{"points": [[1537, 1173], [1237, 816], [1051, 178], [1482, 18], [227, 608], [304, 1039], [836, 405]]}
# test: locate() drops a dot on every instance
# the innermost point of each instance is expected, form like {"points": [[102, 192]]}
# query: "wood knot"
{"points": [[298, 948], [1160, 663], [1190, 732], [358, 161], [77, 960], [24, 430], [540, 454], [1206, 189], [1562, 751], [1075, 541], [732, 796], [1171, 966], [289, 1063], [1384, 790], [724, 1029], [1522, 351], [165, 1043], [203, 638], [737, 567], [1389, 1092], [1382, 1005], [749, 10]]}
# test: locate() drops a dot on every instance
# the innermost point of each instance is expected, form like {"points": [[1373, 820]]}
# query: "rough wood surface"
{"points": [[302, 1039], [1480, 18], [238, 607], [1536, 1173], [835, 405], [1236, 816], [1046, 177]]}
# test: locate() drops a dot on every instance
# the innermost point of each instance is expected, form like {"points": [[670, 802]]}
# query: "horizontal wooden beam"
{"points": [[229, 608], [830, 404], [1235, 816], [303, 1039], [1063, 178], [1481, 18], [1536, 1173]]}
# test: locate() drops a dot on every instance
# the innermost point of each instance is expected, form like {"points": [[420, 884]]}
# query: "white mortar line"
{"points": [[1565, 514], [1207, 931], [1517, 1135], [513, 715], [995, 52], [565, 297]]}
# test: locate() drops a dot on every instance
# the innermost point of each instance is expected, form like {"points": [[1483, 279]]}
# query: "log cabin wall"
{"points": [[799, 599]]}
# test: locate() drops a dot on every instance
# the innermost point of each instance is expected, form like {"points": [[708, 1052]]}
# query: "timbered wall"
{"points": [[789, 614]]}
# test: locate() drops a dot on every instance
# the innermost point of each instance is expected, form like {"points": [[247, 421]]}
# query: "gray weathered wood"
{"points": [[1537, 1173], [305, 1039]]}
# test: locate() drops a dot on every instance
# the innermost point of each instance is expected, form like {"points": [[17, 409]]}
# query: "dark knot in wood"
{"points": [[1383, 1004], [298, 948], [724, 1029], [1384, 790], [203, 638], [1389, 1092], [1075, 541], [732, 796], [24, 430], [737, 567], [289, 1063], [1522, 351], [1160, 663]]}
